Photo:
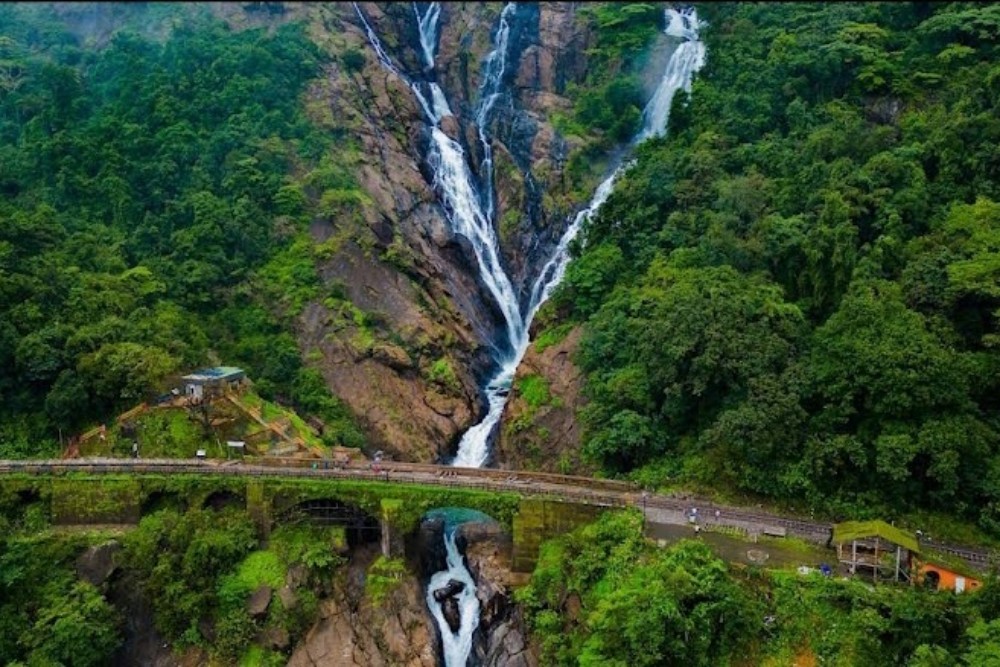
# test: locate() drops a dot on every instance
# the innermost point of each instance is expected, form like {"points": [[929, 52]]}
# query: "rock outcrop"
{"points": [[546, 436], [98, 563], [354, 631], [403, 299], [501, 640], [403, 337]]}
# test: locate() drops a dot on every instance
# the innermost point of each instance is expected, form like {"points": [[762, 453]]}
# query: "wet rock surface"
{"points": [[98, 563], [142, 644], [451, 589], [259, 602], [452, 615], [501, 638]]}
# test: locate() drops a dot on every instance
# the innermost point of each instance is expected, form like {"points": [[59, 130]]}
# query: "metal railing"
{"points": [[389, 474]]}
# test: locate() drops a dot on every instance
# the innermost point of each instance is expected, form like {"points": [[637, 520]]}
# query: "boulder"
{"points": [[259, 601], [287, 597], [97, 563], [392, 356], [452, 615], [296, 576], [276, 638], [451, 589]]}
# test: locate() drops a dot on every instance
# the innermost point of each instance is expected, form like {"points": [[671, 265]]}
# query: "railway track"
{"points": [[609, 493], [395, 473]]}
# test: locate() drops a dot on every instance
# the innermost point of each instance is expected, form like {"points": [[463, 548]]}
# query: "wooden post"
{"points": [[897, 561], [854, 557], [875, 568]]}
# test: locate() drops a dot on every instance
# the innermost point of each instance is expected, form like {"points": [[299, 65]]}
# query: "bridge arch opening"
{"points": [[162, 500], [359, 526], [220, 500]]}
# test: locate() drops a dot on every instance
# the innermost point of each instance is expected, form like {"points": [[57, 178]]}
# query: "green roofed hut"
{"points": [[217, 378], [877, 546]]}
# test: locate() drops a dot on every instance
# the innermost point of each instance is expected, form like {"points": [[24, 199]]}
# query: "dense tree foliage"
{"points": [[677, 607], [151, 198], [603, 596], [795, 293], [194, 569], [48, 615]]}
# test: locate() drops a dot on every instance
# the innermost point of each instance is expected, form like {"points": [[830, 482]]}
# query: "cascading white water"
{"points": [[455, 646], [471, 216], [687, 58], [453, 180], [489, 92], [473, 448], [428, 30]]}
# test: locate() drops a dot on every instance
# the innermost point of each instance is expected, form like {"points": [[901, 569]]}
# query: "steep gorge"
{"points": [[415, 386], [399, 323]]}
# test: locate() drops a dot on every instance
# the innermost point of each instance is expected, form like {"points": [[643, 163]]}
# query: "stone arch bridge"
{"points": [[533, 506], [386, 504]]}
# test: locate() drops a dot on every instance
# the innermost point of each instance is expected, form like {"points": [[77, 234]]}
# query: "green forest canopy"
{"points": [[795, 293], [602, 596], [154, 198]]}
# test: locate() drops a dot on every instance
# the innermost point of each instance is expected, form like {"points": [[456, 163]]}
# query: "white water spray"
{"points": [[453, 180], [428, 24]]}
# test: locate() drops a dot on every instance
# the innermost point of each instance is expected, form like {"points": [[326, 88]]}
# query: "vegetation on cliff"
{"points": [[607, 105], [197, 569], [794, 294], [154, 198], [603, 596]]}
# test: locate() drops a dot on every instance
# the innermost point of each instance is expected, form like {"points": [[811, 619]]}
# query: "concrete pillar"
{"points": [[393, 545], [259, 507], [539, 520]]}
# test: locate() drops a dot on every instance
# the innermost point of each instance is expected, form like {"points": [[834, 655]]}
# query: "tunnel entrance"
{"points": [[360, 527]]}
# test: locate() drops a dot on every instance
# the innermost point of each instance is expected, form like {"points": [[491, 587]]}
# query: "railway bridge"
{"points": [[388, 501]]}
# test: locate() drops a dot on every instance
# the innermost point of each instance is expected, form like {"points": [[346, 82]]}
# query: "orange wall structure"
{"points": [[948, 579]]}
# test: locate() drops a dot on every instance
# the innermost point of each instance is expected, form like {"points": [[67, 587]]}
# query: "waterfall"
{"points": [[687, 58], [456, 646], [473, 448], [428, 30], [489, 92], [471, 212]]}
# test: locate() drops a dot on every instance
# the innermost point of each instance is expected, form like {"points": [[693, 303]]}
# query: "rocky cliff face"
{"points": [[404, 337], [543, 433], [352, 630]]}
